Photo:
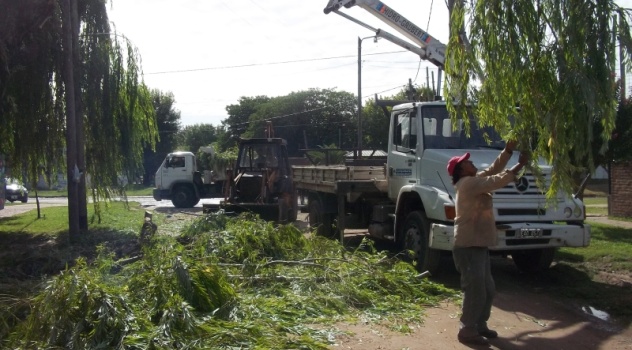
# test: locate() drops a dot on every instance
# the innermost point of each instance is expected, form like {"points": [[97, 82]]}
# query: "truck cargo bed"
{"points": [[338, 178]]}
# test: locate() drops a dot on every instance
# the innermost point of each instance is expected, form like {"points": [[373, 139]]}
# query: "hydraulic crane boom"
{"points": [[429, 47]]}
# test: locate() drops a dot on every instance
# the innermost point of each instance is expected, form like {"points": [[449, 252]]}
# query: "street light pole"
{"points": [[360, 93]]}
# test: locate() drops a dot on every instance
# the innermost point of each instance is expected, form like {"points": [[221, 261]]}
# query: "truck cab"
{"points": [[529, 227]]}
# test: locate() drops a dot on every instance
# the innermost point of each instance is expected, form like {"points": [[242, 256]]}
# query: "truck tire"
{"points": [[533, 260], [318, 219], [414, 236], [184, 197]]}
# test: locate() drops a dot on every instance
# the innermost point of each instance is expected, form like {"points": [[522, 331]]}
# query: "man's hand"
{"points": [[510, 146], [524, 158]]}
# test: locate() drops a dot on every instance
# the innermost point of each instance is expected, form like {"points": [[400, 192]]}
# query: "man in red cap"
{"points": [[474, 233]]}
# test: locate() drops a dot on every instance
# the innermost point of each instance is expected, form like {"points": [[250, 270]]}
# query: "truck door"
{"points": [[175, 169], [402, 158]]}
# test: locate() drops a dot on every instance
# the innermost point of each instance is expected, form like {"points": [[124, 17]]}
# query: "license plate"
{"points": [[14, 197], [530, 232]]}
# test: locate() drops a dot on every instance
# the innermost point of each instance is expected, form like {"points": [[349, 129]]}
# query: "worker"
{"points": [[474, 233]]}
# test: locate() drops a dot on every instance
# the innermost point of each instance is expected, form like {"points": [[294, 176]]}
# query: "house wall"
{"points": [[620, 198]]}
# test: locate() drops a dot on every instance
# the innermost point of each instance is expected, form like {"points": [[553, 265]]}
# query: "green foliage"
{"points": [[77, 311], [225, 283], [217, 161], [328, 154], [552, 59], [322, 116], [168, 125], [192, 137], [375, 126], [375, 123], [31, 97]]}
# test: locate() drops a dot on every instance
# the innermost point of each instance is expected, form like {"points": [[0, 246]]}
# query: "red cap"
{"points": [[454, 161]]}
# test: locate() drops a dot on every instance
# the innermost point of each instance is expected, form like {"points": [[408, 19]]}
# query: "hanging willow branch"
{"points": [[549, 63], [119, 115]]}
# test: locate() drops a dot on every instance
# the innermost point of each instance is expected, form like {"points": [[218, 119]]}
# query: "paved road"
{"points": [[146, 201]]}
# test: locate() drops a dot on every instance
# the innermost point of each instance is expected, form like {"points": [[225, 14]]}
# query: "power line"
{"points": [[268, 63]]}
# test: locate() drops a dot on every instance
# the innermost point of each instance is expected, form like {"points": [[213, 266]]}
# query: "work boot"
{"points": [[473, 340], [488, 333], [469, 335]]}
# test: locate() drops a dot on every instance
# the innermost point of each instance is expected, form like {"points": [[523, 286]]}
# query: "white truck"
{"points": [[409, 198], [179, 180]]}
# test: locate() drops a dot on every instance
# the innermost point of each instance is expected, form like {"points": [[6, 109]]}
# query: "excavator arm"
{"points": [[429, 47]]}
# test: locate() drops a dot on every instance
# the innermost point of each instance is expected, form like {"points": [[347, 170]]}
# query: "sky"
{"points": [[210, 53]]}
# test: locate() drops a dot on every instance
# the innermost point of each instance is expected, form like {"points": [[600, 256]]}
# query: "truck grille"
{"points": [[524, 200], [522, 212], [525, 186]]}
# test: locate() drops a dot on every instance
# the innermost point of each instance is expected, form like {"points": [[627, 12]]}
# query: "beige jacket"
{"points": [[475, 224]]}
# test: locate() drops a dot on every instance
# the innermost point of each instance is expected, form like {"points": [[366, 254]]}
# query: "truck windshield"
{"points": [[438, 132]]}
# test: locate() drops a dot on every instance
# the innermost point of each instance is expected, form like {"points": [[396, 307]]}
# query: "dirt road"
{"points": [[524, 317]]}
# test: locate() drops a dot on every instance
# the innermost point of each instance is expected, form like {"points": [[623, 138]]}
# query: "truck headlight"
{"points": [[568, 212], [578, 211]]}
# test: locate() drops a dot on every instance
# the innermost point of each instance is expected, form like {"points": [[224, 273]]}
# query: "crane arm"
{"points": [[429, 49]]}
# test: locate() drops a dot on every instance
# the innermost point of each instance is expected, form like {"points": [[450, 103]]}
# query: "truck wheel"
{"points": [[533, 260], [414, 236], [184, 197], [319, 220]]}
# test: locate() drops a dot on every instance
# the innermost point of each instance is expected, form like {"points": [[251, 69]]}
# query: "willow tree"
{"points": [[549, 63], [32, 119], [114, 109], [118, 111]]}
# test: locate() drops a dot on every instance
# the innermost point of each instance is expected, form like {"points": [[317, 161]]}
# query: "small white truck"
{"points": [[179, 180]]}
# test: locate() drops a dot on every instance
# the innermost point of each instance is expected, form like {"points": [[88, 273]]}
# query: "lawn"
{"points": [[132, 190], [115, 216]]}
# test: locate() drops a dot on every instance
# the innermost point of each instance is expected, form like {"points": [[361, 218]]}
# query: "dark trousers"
{"points": [[478, 287]]}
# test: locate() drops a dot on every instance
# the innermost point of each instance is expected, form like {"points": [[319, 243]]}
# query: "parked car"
{"points": [[15, 191]]}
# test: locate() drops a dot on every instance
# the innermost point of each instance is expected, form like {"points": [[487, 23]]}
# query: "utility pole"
{"points": [[622, 65], [82, 199], [360, 92], [410, 91], [71, 134], [360, 96]]}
